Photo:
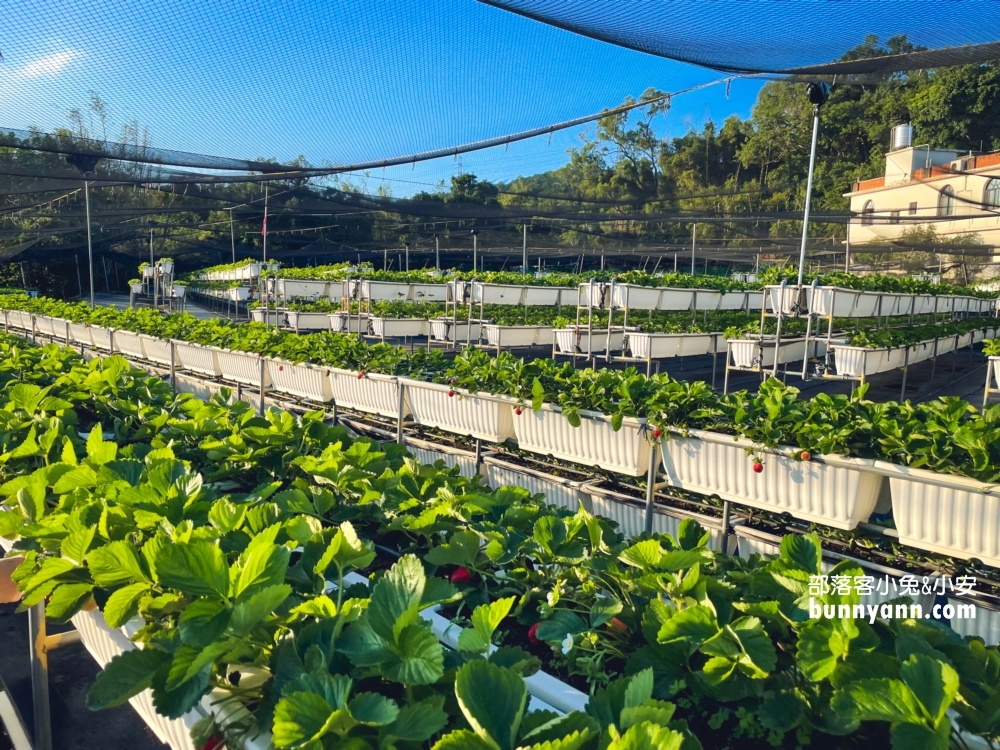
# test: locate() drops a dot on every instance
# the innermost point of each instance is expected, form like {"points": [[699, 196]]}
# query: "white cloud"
{"points": [[49, 65]]}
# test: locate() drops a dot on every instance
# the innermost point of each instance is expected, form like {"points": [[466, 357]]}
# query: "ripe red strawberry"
{"points": [[461, 575], [618, 626], [518, 411], [361, 374], [213, 743], [451, 393], [532, 633], [758, 467], [281, 368], [657, 432], [805, 456]]}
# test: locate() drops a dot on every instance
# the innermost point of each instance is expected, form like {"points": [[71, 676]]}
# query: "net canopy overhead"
{"points": [[782, 36]]}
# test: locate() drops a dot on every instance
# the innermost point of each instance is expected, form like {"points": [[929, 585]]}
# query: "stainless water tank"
{"points": [[902, 136]]}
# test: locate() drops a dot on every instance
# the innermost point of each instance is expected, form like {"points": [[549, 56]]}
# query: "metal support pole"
{"points": [[39, 676], [906, 368], [437, 252], [264, 229], [260, 406], [475, 250], [524, 248], [407, 256], [173, 373], [232, 234], [479, 455], [725, 527], [90, 248], [694, 239], [809, 184], [650, 489], [399, 413]]}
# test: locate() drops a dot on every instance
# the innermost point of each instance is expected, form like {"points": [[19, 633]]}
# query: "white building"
{"points": [[955, 193]]}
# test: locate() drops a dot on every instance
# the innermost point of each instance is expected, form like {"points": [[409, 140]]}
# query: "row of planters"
{"points": [[224, 542], [824, 459], [870, 352]]}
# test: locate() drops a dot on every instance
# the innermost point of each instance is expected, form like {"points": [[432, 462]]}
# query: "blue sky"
{"points": [[338, 81]]}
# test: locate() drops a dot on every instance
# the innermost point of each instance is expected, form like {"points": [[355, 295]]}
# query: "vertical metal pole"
{"points": [[650, 481], [675, 262], [809, 185], [694, 239], [847, 258], [266, 186], [407, 256], [173, 372], [725, 527], [524, 249], [260, 406], [232, 234], [399, 413], [437, 252], [475, 250], [39, 677], [90, 248], [385, 259]]}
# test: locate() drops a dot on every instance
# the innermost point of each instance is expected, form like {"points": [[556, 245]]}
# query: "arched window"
{"points": [[991, 197], [868, 213], [946, 201]]}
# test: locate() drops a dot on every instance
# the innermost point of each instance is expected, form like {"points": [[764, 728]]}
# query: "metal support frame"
{"points": [[654, 451], [40, 645], [399, 412]]}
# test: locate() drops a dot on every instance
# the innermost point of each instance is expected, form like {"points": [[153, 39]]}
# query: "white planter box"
{"points": [[54, 328], [631, 519], [157, 350], [136, 288], [166, 267], [707, 299], [308, 321], [953, 515], [858, 361], [274, 317], [300, 289], [302, 380], [81, 334], [464, 460], [372, 394], [429, 292], [593, 443], [379, 291], [20, 320], [441, 330], [832, 490], [129, 344], [339, 322], [102, 337], [558, 491], [995, 366], [746, 353], [580, 341], [238, 294], [498, 294], [398, 327], [549, 296], [178, 291], [480, 415], [197, 358], [514, 336], [634, 297], [241, 367], [104, 644], [664, 345], [148, 272]]}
